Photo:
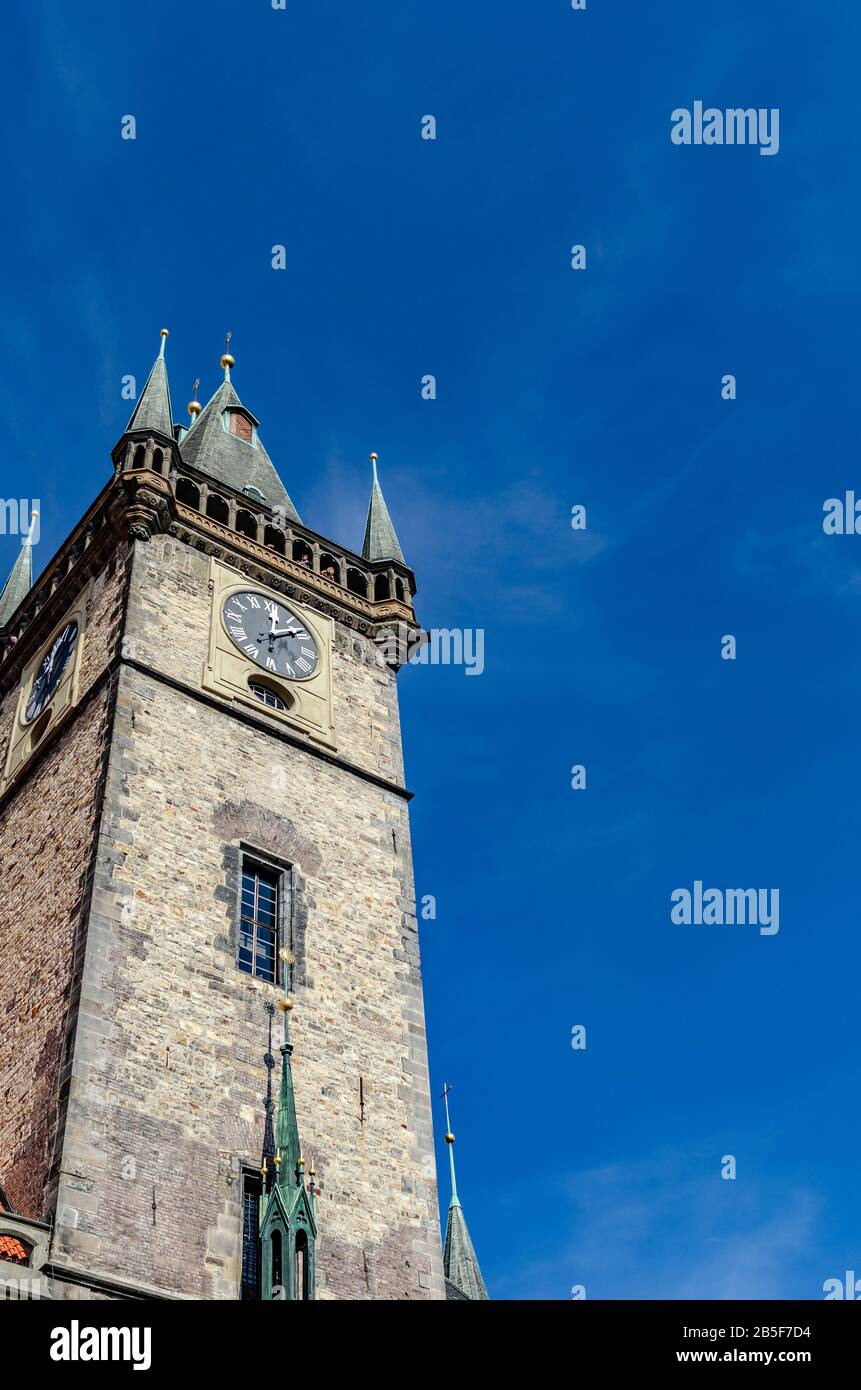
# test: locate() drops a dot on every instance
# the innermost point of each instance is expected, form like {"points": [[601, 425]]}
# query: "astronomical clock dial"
{"points": [[270, 635], [50, 672]]}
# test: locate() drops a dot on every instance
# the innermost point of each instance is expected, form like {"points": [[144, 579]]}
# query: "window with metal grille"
{"points": [[251, 1190], [258, 926]]}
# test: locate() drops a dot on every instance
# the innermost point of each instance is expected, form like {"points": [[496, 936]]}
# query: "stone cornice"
{"points": [[214, 538], [139, 504]]}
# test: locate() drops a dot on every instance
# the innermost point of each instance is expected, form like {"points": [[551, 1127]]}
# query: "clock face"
{"points": [[50, 672], [271, 635]]}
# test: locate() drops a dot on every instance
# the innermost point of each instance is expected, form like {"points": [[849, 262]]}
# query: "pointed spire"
{"points": [[380, 541], [288, 1157], [460, 1263], [213, 446], [153, 410], [20, 580]]}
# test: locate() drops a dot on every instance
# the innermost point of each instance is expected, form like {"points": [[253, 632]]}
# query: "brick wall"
{"points": [[47, 840]]}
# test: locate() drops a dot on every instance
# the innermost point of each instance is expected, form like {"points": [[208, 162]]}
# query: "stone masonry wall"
{"points": [[168, 1078], [47, 841], [169, 628]]}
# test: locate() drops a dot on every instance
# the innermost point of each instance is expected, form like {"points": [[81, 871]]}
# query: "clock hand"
{"points": [[285, 632]]}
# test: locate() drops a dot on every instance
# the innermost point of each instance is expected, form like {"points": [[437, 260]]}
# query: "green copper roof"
{"points": [[20, 581], [231, 460], [153, 410], [460, 1264], [290, 1175], [380, 542]]}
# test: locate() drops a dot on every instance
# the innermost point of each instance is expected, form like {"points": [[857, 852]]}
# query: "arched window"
{"points": [[329, 568], [187, 493], [140, 455], [217, 508], [302, 553], [246, 523], [356, 583], [381, 587], [399, 589], [275, 539], [158, 461], [267, 695], [301, 1271]]}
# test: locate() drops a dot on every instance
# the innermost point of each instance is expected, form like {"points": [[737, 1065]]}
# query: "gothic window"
{"points": [[158, 461], [187, 493], [139, 457], [381, 587], [246, 523], [275, 539], [329, 568], [302, 553], [251, 1190], [301, 1281], [258, 926], [217, 508], [356, 583]]}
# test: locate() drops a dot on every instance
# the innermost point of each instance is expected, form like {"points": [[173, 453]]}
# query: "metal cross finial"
{"points": [[195, 386], [445, 1093], [227, 342]]}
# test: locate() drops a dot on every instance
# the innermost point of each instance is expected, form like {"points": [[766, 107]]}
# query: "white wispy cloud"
{"points": [[669, 1227]]}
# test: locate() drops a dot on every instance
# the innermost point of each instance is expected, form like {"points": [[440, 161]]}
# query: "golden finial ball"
{"points": [[227, 360], [165, 333], [449, 1138], [194, 408], [374, 458]]}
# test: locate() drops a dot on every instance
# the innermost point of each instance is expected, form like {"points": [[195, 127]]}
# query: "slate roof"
{"points": [[228, 459], [460, 1264], [381, 542], [153, 410]]}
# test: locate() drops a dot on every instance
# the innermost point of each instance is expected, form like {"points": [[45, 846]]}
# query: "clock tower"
{"points": [[204, 833]]}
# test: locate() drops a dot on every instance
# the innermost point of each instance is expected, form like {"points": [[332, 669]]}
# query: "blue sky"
{"points": [[554, 387]]}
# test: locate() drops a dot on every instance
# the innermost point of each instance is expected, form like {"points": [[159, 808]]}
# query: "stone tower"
{"points": [[203, 816]]}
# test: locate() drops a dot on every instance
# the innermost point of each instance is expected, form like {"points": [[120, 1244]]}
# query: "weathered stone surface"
{"points": [[166, 1077]]}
